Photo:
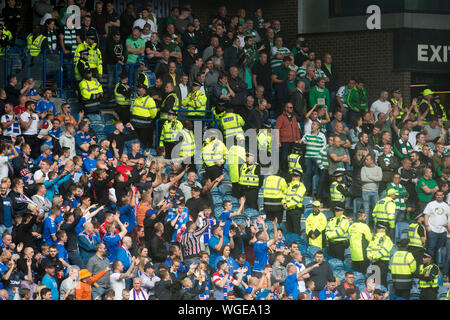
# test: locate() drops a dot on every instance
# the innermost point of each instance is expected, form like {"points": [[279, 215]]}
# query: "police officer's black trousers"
{"points": [[168, 147], [384, 268], [251, 195], [293, 220], [123, 112], [360, 266], [235, 189], [336, 249], [428, 294], [273, 212], [214, 171], [144, 135], [417, 253], [403, 293]]}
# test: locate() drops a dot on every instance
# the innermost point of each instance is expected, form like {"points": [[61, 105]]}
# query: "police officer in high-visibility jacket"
{"points": [[337, 234], [338, 191], [293, 202], [235, 159], [417, 236], [195, 101], [274, 188], [231, 124], [403, 268], [384, 211], [219, 110], [360, 237], [214, 154], [145, 76], [143, 111], [35, 42], [428, 278], [294, 158], [170, 101], [316, 223], [264, 140], [437, 100], [95, 56], [397, 102], [250, 181], [6, 41], [91, 91], [379, 251], [123, 94], [83, 63], [169, 133], [186, 141]]}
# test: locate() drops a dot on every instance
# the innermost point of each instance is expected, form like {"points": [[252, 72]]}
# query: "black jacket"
{"points": [[163, 289], [332, 85], [299, 102], [157, 249]]}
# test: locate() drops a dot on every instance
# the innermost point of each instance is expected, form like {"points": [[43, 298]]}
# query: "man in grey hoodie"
{"points": [[371, 175], [67, 139]]}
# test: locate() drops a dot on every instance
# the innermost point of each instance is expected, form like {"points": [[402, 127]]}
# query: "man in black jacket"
{"points": [[298, 100], [332, 85], [156, 244], [321, 274]]}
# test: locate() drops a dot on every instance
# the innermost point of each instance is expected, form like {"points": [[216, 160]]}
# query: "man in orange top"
{"points": [[83, 288], [143, 207]]}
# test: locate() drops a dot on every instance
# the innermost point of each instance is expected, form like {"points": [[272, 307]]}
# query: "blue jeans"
{"points": [[111, 69], [311, 175], [357, 204], [285, 150], [75, 258], [4, 228], [447, 259], [435, 241], [369, 201]]}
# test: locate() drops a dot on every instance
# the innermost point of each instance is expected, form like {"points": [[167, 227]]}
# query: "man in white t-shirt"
{"points": [[145, 18], [437, 217], [41, 175], [6, 149], [117, 278], [297, 262], [381, 105], [31, 124]]}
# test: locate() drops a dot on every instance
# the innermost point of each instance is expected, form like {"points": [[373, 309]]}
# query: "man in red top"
{"points": [[289, 133], [109, 218], [123, 168]]}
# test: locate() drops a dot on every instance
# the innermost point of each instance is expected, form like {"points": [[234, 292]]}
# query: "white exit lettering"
{"points": [[431, 53]]}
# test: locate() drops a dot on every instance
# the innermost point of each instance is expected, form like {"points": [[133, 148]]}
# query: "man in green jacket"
{"points": [[320, 95], [357, 100]]}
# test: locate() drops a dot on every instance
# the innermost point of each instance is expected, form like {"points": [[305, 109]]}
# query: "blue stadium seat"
{"points": [[313, 249], [307, 202], [336, 263]]}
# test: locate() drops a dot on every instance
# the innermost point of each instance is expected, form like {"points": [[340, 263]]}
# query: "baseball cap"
{"points": [[427, 255], [149, 265], [171, 111], [381, 225], [427, 92], [123, 75], [418, 215], [391, 192], [316, 203], [91, 35], [337, 208], [338, 173], [196, 84], [196, 188], [297, 172]]}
